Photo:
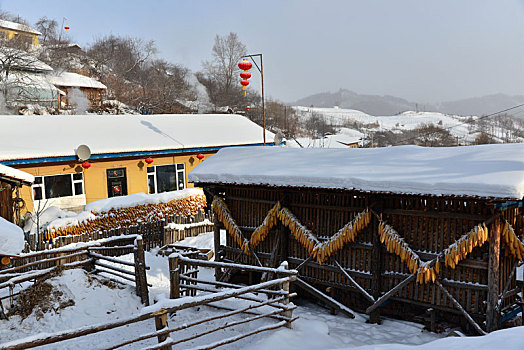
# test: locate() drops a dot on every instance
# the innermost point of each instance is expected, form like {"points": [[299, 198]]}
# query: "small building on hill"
{"points": [[121, 147], [11, 203], [77, 86], [414, 232], [18, 31]]}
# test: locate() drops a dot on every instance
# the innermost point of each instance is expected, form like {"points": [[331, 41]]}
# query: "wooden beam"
{"points": [[359, 288], [458, 306], [493, 276], [323, 297], [392, 292]]}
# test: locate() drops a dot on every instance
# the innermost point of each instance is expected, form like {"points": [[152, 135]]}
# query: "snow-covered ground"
{"points": [[315, 328]]}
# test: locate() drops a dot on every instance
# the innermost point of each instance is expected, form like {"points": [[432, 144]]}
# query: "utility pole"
{"points": [[261, 70]]}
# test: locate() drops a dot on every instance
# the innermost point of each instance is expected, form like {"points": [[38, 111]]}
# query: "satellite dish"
{"points": [[83, 152], [278, 138]]}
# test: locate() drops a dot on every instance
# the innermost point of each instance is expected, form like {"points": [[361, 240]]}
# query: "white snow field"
{"points": [[11, 238]]}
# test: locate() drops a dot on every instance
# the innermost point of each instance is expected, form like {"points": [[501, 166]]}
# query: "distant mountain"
{"points": [[391, 105]]}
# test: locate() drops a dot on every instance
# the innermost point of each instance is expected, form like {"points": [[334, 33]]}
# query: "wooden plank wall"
{"points": [[428, 224]]}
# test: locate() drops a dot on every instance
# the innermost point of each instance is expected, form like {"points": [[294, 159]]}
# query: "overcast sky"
{"points": [[424, 51]]}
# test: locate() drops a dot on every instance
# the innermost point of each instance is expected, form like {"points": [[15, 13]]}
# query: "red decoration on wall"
{"points": [[149, 161], [86, 165], [200, 156]]}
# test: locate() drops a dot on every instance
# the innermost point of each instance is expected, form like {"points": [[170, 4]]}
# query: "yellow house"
{"points": [[120, 149], [24, 33]]}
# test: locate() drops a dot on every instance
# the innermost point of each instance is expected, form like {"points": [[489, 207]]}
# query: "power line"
{"points": [[466, 122]]}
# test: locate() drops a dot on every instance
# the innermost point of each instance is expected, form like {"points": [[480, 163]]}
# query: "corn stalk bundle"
{"points": [[131, 216], [465, 244], [224, 215], [515, 245], [262, 231]]}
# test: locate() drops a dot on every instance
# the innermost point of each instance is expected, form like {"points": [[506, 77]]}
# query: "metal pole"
{"points": [[263, 99]]}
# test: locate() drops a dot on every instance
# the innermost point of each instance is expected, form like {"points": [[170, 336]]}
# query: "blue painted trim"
{"points": [[509, 205], [125, 154]]}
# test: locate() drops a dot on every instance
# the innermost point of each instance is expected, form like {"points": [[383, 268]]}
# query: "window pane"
{"points": [[37, 191], [151, 183], [77, 176], [38, 180], [180, 166], [58, 186], [150, 169], [181, 180], [78, 188], [166, 178]]}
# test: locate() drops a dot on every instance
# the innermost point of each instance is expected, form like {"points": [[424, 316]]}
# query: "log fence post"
{"points": [[376, 266], [285, 288], [140, 272], [160, 324], [174, 277], [216, 241]]}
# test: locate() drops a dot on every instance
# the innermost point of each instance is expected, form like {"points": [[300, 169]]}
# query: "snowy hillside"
{"points": [[463, 128]]}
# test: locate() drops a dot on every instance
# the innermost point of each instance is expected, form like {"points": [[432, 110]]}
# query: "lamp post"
{"points": [[261, 70]]}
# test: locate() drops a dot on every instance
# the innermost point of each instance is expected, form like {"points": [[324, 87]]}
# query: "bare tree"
{"points": [[431, 135], [318, 126], [48, 27], [220, 75]]}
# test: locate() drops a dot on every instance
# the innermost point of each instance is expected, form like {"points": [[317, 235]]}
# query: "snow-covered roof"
{"points": [[6, 171], [11, 238], [18, 27], [24, 137], [484, 171], [21, 60], [69, 79]]}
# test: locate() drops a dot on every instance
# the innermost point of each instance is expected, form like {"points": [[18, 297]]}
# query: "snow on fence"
{"points": [[37, 265], [171, 229], [276, 290]]}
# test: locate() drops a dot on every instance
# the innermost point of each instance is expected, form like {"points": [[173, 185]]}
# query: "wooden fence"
{"points": [[277, 291], [155, 234], [37, 265]]}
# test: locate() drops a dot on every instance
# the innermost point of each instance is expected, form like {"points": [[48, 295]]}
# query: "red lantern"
{"points": [[66, 28], [248, 108], [149, 161], [245, 65], [244, 83], [200, 156], [245, 75], [86, 166]]}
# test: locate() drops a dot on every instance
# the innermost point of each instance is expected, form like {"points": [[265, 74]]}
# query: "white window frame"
{"points": [[153, 175], [73, 182]]}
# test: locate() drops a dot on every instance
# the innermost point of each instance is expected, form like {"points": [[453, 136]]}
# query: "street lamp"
{"points": [[261, 70]]}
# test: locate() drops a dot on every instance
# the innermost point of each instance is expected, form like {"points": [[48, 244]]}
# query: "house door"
{"points": [[116, 182]]}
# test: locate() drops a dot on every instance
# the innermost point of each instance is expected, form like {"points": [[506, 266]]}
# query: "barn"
{"points": [[408, 231]]}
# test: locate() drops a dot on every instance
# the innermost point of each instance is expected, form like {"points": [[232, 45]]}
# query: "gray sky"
{"points": [[424, 51]]}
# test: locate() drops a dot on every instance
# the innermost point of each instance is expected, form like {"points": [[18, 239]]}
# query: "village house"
{"points": [[18, 31], [129, 154], [69, 82], [11, 181]]}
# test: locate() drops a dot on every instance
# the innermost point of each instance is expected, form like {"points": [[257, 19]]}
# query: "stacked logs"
{"points": [[124, 217], [262, 231], [515, 245], [224, 215], [465, 244]]}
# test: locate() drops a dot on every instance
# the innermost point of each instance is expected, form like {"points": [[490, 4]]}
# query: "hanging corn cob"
{"points": [[396, 244], [224, 215], [465, 244], [515, 245], [262, 231], [123, 217]]}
